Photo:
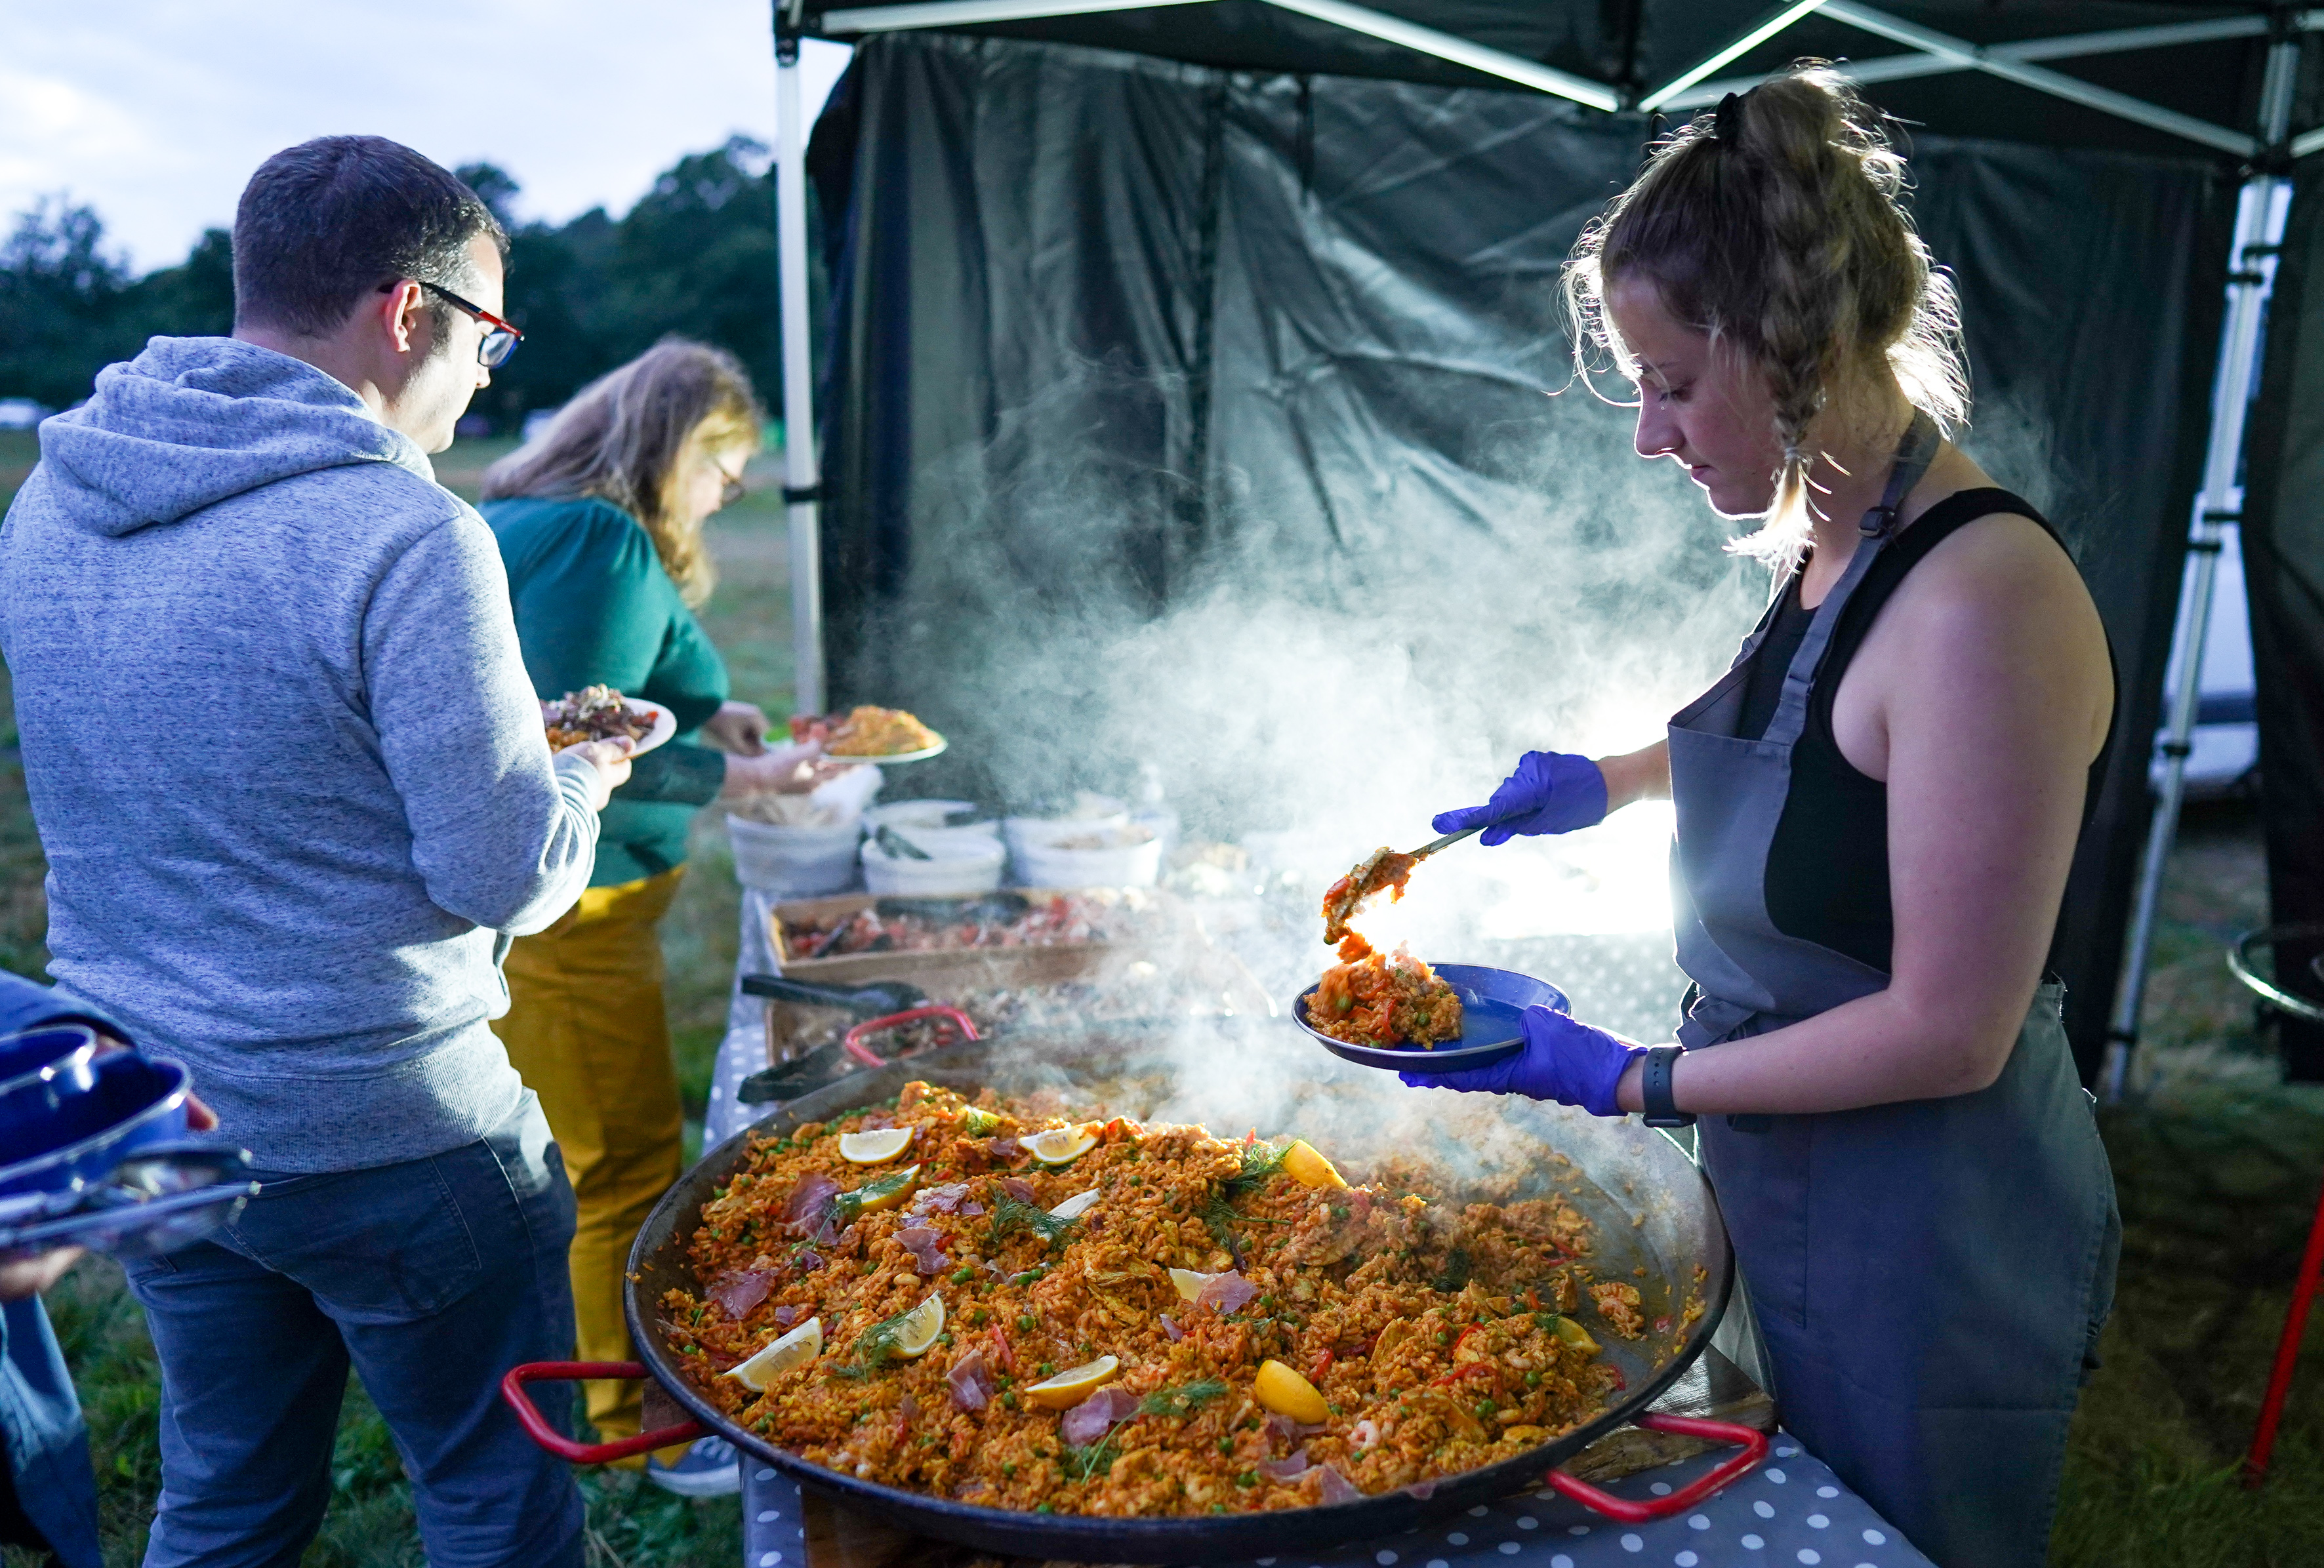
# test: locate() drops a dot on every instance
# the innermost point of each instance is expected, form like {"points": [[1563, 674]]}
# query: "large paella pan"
{"points": [[1628, 1198]]}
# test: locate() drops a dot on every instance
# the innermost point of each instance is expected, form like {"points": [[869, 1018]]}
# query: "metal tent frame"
{"points": [[2251, 271]]}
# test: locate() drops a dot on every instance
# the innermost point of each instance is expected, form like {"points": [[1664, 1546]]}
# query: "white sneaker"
{"points": [[708, 1469]]}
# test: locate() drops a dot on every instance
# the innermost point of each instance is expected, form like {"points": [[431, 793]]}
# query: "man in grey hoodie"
{"points": [[296, 796]]}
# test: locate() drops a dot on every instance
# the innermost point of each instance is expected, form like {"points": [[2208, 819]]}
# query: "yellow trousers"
{"points": [[586, 1030]]}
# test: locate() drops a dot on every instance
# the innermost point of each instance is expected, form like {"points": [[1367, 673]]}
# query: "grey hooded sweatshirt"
{"points": [[284, 759]]}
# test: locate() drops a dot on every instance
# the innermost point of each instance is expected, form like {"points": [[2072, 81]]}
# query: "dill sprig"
{"points": [[1259, 1161], [875, 1347], [1180, 1401], [1015, 1214], [977, 1122]]}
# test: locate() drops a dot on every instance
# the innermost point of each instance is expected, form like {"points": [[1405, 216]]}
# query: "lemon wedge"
{"points": [[1302, 1163], [1060, 1144], [1074, 1207], [1075, 1384], [795, 1349], [919, 1328], [1189, 1282], [886, 1193], [1573, 1334], [877, 1147], [1286, 1393]]}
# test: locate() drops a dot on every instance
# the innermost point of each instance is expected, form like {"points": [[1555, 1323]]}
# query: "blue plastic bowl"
{"points": [[55, 1051], [1492, 1003], [52, 1142]]}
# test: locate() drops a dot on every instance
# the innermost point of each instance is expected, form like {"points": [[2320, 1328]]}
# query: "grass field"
{"points": [[2217, 1165]]}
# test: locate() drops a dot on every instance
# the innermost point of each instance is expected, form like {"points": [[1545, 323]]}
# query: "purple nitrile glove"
{"points": [[1550, 793], [1563, 1059]]}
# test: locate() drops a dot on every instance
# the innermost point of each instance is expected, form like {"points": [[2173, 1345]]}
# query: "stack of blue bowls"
{"points": [[94, 1152], [74, 1105]]}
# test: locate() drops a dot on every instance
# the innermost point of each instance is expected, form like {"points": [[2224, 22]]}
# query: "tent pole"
{"points": [[2251, 271], [801, 483]]}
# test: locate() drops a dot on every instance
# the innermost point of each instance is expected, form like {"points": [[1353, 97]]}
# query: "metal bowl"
{"points": [[53, 1051], [54, 1141]]}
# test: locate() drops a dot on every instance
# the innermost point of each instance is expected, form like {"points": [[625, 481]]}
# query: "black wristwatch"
{"points": [[1655, 1088]]}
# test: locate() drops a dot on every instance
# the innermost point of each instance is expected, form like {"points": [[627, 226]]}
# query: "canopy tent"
{"points": [[1266, 288]]}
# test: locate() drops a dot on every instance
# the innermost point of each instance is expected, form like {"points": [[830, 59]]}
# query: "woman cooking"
{"points": [[1876, 808]]}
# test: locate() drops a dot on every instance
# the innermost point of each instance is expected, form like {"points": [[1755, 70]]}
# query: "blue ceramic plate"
{"points": [[1491, 1000], [52, 1142], [55, 1051]]}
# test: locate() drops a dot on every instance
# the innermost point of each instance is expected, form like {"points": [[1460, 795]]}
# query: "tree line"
{"points": [[694, 256]]}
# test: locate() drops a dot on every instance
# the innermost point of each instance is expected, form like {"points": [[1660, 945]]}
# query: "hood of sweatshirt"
{"points": [[194, 420]]}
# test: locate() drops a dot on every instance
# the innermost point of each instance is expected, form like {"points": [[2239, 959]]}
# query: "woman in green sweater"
{"points": [[600, 525]]}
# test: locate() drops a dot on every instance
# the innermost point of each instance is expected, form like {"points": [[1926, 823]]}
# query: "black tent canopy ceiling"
{"points": [[2149, 77]]}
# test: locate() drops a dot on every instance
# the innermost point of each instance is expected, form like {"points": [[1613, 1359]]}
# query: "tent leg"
{"points": [[2287, 1352], [2251, 270], [800, 477]]}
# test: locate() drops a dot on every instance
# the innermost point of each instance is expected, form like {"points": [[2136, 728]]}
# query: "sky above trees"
{"points": [[154, 112]]}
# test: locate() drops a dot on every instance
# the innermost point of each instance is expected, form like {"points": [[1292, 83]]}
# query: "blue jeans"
{"points": [[432, 1277]]}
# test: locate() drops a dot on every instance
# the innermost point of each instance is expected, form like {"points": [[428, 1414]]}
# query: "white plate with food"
{"points": [[869, 734], [599, 713]]}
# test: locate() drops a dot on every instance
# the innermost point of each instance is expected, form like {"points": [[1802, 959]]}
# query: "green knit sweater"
{"points": [[594, 606]]}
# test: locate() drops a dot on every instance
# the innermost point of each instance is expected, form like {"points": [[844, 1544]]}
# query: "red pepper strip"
{"points": [[1533, 1300], [1459, 1372], [1322, 1363]]}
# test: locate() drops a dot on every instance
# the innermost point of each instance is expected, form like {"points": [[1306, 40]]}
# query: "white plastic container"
{"points": [[1125, 857], [798, 863], [1088, 814], [967, 866], [923, 822]]}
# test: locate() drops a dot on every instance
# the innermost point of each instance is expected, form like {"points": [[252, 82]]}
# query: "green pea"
{"points": [[1048, 1367], [1485, 1409], [1025, 1322], [1226, 1445], [1533, 1379], [1009, 1400]]}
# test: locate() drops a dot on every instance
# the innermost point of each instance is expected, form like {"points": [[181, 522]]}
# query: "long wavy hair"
{"points": [[1785, 240], [620, 438]]}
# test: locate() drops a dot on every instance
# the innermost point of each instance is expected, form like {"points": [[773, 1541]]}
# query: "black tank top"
{"points": [[1827, 877]]}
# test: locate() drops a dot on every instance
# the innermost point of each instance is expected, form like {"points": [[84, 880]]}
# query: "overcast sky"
{"points": [[155, 112]]}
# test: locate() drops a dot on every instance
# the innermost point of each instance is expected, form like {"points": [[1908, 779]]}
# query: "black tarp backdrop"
{"points": [[1135, 358], [2283, 576]]}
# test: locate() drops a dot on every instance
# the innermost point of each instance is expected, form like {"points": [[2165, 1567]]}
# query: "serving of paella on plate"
{"points": [[985, 1301]]}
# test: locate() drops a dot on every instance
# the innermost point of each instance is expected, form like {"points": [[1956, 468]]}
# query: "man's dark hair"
{"points": [[324, 222]]}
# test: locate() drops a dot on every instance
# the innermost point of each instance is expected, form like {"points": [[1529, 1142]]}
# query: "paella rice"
{"points": [[1273, 1343], [1376, 999]]}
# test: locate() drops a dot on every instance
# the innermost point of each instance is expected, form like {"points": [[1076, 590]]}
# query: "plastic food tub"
{"points": [[1123, 857], [798, 862], [964, 866], [924, 824]]}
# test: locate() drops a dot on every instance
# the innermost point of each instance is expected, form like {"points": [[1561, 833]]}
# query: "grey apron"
{"points": [[1928, 1277]]}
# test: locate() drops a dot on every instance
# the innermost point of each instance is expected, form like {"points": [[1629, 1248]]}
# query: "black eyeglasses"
{"points": [[733, 489], [500, 338]]}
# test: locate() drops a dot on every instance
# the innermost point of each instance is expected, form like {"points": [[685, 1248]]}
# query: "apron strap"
{"points": [[1914, 453]]}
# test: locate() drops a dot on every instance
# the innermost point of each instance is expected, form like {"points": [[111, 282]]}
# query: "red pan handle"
{"points": [[1754, 1449], [537, 1426], [851, 1042]]}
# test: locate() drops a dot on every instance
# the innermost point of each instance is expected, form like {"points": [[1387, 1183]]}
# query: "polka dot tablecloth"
{"points": [[1791, 1512]]}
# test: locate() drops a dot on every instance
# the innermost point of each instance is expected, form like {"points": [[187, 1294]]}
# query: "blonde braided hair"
{"points": [[1777, 228]]}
